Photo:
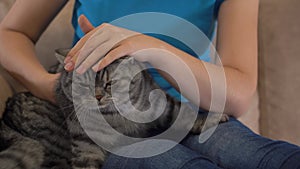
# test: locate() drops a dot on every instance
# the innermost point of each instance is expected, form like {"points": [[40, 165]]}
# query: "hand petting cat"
{"points": [[106, 43], [102, 45]]}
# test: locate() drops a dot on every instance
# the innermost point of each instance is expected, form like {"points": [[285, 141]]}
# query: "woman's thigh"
{"points": [[179, 157], [233, 145]]}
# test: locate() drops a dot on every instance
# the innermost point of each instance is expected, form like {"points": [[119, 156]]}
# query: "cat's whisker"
{"points": [[63, 108], [73, 113]]}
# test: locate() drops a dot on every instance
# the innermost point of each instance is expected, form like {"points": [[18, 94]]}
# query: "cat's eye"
{"points": [[108, 85]]}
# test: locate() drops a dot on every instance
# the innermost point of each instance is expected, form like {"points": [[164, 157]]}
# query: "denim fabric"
{"points": [[178, 157], [231, 146]]}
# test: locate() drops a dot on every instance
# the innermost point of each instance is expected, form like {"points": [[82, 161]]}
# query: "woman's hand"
{"points": [[45, 88], [107, 43]]}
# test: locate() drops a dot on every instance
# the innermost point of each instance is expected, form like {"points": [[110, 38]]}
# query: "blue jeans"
{"points": [[231, 146]]}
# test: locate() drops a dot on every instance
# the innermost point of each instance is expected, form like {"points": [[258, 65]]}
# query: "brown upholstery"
{"points": [[6, 92], [279, 80]]}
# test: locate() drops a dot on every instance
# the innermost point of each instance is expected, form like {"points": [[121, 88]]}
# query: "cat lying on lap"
{"points": [[59, 129]]}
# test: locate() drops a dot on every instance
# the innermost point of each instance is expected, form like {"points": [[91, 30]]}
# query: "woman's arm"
{"points": [[19, 31], [236, 45]]}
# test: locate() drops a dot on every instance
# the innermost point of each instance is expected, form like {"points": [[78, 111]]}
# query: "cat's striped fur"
{"points": [[53, 136], [43, 125]]}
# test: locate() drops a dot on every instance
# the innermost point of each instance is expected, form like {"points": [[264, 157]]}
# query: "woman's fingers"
{"points": [[77, 47], [85, 24], [94, 39], [88, 29], [91, 59], [105, 39], [92, 44], [116, 53]]}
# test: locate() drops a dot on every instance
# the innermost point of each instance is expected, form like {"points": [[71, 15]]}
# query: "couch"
{"points": [[273, 111]]}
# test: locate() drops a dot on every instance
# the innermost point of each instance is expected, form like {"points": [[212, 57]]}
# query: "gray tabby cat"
{"points": [[55, 136], [140, 87], [33, 135]]}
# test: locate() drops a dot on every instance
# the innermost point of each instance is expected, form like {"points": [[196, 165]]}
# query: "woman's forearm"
{"points": [[227, 88], [228, 84], [19, 30], [17, 56]]}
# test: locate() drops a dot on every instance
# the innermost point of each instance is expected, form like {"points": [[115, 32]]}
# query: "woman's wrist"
{"points": [[154, 51], [44, 86]]}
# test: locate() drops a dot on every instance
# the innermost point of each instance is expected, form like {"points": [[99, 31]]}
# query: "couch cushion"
{"points": [[59, 34], [5, 92], [279, 81]]}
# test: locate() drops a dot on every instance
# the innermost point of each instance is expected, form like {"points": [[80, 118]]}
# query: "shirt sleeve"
{"points": [[218, 3]]}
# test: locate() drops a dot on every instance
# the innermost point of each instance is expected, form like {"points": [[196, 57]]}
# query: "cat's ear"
{"points": [[61, 54]]}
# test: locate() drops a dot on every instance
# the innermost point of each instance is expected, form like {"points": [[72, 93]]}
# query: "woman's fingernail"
{"points": [[80, 69], [67, 59], [95, 68], [69, 66], [98, 66]]}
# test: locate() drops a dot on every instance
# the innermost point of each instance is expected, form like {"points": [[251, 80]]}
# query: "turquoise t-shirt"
{"points": [[201, 13]]}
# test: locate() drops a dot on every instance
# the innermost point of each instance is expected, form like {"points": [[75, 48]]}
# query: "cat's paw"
{"points": [[198, 125], [213, 120], [224, 118]]}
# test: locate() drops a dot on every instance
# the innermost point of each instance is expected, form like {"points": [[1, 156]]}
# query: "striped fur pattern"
{"points": [[37, 129], [52, 135]]}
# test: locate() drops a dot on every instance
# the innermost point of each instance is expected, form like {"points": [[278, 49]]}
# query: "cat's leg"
{"points": [[17, 151], [40, 120], [86, 156], [85, 153], [187, 112], [208, 120]]}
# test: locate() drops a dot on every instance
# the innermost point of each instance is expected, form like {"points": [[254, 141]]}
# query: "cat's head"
{"points": [[101, 90]]}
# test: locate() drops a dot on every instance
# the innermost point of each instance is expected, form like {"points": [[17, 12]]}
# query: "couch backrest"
{"points": [[279, 72]]}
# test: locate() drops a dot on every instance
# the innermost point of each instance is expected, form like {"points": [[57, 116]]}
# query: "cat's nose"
{"points": [[98, 96]]}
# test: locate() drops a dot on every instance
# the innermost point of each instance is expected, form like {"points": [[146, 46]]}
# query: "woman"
{"points": [[232, 145]]}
